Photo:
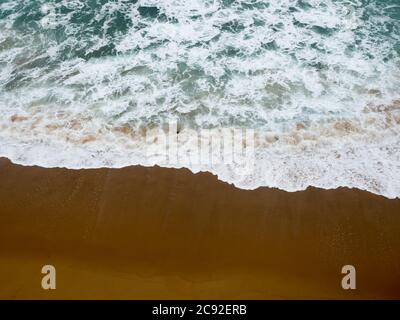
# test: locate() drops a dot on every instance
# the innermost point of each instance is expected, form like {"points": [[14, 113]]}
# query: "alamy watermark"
{"points": [[232, 147], [49, 280], [349, 280]]}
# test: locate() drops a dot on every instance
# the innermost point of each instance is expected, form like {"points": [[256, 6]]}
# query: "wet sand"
{"points": [[155, 233]]}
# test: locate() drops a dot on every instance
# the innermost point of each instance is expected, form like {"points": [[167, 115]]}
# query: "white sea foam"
{"points": [[319, 85]]}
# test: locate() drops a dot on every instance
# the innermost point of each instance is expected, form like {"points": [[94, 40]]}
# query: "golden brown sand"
{"points": [[164, 233]]}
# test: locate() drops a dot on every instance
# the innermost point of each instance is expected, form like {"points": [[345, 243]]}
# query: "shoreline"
{"points": [[158, 233]]}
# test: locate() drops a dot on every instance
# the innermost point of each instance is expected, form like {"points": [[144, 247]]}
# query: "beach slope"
{"points": [[155, 233]]}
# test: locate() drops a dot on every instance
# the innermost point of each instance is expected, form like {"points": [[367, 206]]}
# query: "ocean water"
{"points": [[316, 82]]}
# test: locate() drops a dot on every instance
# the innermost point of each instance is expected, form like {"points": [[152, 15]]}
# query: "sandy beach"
{"points": [[155, 233]]}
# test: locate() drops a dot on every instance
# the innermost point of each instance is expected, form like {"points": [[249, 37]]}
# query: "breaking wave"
{"points": [[317, 82]]}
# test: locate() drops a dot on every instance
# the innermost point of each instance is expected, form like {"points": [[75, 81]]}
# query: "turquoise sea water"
{"points": [[75, 69]]}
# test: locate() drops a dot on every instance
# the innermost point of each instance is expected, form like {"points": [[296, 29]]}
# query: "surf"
{"points": [[81, 82]]}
